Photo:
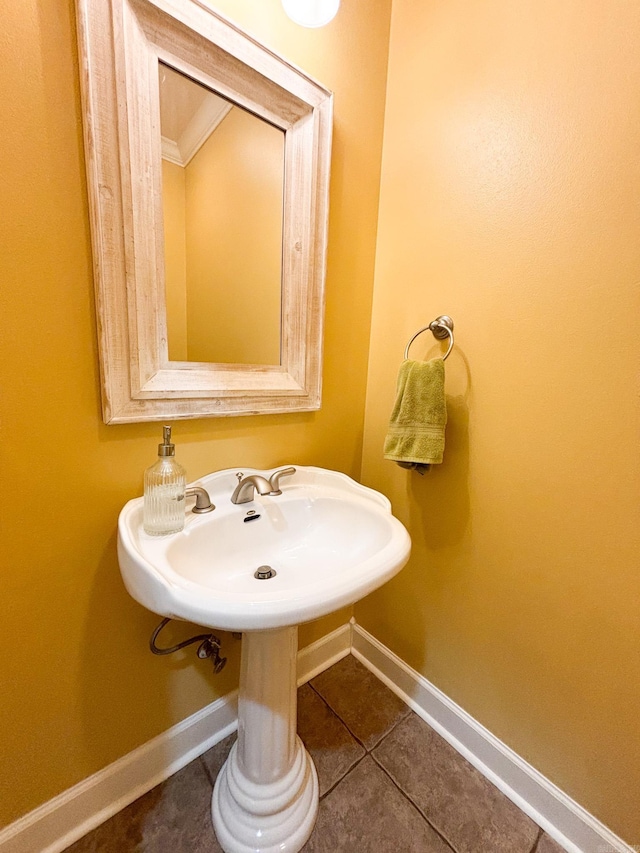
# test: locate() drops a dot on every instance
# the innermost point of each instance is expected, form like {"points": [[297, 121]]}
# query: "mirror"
{"points": [[222, 188], [208, 171]]}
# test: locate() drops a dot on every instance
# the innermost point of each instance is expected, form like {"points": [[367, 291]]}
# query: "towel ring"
{"points": [[441, 327]]}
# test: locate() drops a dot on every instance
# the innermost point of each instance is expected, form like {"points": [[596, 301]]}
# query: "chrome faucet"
{"points": [[247, 486], [203, 501]]}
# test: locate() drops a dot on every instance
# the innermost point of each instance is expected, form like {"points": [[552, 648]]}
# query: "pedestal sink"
{"points": [[262, 568]]}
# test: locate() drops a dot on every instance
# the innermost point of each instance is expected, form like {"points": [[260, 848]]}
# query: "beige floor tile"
{"points": [[214, 758], [173, 817], [363, 703], [470, 812], [365, 813], [333, 748]]}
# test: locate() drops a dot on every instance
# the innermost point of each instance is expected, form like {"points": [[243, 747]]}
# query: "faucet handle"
{"points": [[203, 501], [274, 480]]}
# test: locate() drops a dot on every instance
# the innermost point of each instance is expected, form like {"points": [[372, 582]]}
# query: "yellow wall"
{"points": [[509, 200], [234, 243], [223, 245], [79, 687]]}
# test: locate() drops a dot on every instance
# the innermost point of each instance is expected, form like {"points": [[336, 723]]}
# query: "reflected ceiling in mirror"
{"points": [[150, 368], [222, 192]]}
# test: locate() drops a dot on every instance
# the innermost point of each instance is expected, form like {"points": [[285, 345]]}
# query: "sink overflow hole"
{"points": [[264, 573]]}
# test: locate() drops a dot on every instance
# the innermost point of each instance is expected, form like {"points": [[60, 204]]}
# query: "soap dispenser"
{"points": [[164, 487]]}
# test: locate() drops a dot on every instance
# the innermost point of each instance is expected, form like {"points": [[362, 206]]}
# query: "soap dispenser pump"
{"points": [[164, 487]]}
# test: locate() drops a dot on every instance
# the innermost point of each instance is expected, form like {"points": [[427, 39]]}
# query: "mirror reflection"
{"points": [[222, 194]]}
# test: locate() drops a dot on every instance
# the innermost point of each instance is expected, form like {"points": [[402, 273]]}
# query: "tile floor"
{"points": [[388, 782]]}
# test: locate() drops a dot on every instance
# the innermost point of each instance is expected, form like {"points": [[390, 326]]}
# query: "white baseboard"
{"points": [[562, 818], [322, 654], [54, 826]]}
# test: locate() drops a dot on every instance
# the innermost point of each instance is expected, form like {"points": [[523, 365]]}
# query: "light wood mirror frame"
{"points": [[121, 43]]}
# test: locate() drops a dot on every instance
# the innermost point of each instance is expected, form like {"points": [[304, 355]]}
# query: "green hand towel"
{"points": [[416, 430]]}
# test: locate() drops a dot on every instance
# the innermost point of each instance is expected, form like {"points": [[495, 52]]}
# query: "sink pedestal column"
{"points": [[265, 799]]}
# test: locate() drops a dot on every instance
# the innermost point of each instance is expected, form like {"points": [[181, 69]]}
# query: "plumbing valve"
{"points": [[210, 648]]}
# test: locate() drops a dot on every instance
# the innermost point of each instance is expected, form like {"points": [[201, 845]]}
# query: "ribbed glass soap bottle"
{"points": [[164, 487]]}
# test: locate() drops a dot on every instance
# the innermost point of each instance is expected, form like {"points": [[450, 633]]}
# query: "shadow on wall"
{"points": [[439, 500], [439, 510], [128, 695]]}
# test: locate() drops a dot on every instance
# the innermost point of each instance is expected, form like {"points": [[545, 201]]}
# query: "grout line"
{"points": [[356, 739], [402, 717], [336, 714], [344, 776], [384, 770], [394, 726], [426, 817], [415, 806], [204, 764], [422, 812]]}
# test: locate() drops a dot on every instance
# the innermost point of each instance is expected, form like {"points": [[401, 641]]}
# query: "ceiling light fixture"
{"points": [[311, 13]]}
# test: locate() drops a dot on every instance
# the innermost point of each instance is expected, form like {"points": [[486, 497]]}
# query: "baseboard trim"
{"points": [[322, 654], [562, 818], [52, 827]]}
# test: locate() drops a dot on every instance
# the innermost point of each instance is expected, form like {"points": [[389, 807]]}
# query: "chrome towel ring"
{"points": [[441, 327]]}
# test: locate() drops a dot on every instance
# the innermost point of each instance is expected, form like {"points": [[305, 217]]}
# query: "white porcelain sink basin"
{"points": [[330, 541]]}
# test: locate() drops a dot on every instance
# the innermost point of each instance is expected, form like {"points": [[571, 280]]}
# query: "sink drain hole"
{"points": [[263, 573]]}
